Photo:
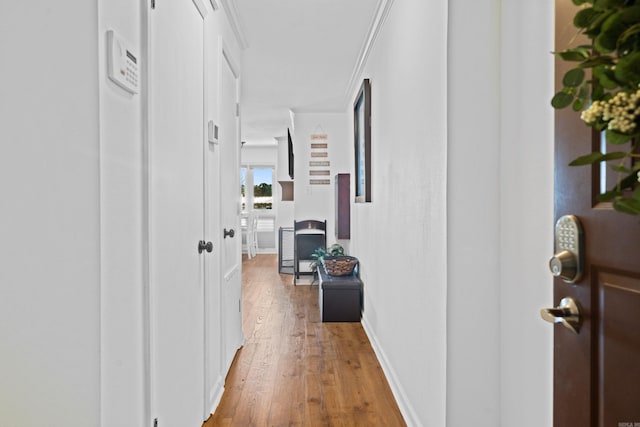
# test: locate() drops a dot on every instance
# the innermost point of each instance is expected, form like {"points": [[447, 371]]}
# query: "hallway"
{"points": [[296, 370]]}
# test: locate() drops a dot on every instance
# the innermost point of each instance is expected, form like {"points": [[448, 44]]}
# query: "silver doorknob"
{"points": [[567, 313], [564, 265]]}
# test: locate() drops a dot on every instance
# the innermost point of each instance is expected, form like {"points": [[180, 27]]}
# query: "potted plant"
{"points": [[320, 253], [603, 85]]}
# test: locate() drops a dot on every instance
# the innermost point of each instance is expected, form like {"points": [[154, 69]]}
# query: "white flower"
{"points": [[620, 112]]}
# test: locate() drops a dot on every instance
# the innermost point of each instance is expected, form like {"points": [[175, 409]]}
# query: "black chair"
{"points": [[309, 235]]}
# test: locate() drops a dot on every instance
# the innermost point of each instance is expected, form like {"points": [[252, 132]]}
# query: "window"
{"points": [[262, 188], [256, 187]]}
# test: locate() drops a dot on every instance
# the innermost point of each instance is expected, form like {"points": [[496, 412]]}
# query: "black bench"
{"points": [[340, 297]]}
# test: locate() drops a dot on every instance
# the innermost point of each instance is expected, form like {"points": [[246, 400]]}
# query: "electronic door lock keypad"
{"points": [[568, 260]]}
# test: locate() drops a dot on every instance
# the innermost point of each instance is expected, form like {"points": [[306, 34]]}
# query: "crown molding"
{"points": [[199, 4], [231, 11], [382, 11]]}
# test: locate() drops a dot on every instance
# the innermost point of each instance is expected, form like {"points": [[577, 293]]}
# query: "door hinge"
{"points": [[155, 420], [237, 109], [239, 306], [153, 6]]}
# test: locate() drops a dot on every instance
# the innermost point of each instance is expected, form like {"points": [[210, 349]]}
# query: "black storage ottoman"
{"points": [[340, 297]]}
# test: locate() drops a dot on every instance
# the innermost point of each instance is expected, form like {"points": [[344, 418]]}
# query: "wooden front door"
{"points": [[597, 369]]}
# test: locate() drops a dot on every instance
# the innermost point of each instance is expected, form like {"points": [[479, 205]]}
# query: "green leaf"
{"points": [[583, 93], [579, 53], [597, 60], [630, 15], [608, 4], [605, 77], [588, 159], [620, 169], [614, 155], [628, 70], [610, 30], [562, 99], [595, 27], [629, 181], [573, 77], [578, 104], [607, 41], [627, 205], [568, 55], [585, 17], [608, 196], [616, 138], [598, 93], [628, 38], [636, 194], [597, 157]]}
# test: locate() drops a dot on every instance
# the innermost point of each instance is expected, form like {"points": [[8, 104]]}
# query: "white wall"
{"points": [[500, 213], [122, 213], [474, 249], [473, 212], [259, 155], [400, 237], [526, 213], [318, 201], [49, 219]]}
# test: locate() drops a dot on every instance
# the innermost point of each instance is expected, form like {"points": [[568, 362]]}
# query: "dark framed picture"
{"points": [[362, 137]]}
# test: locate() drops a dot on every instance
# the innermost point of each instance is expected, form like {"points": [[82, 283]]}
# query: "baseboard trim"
{"points": [[215, 394], [405, 406]]}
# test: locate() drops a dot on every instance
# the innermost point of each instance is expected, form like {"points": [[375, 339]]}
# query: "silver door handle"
{"points": [[567, 313]]}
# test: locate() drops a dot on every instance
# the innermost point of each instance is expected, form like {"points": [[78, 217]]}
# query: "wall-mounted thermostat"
{"points": [[123, 63]]}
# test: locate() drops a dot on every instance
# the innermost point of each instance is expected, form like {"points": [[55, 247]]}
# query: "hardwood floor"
{"points": [[295, 370]]}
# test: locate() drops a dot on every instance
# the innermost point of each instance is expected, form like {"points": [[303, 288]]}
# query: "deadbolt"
{"points": [[567, 261], [567, 313]]}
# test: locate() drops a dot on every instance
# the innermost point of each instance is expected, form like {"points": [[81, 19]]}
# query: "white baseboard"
{"points": [[405, 406], [215, 394]]}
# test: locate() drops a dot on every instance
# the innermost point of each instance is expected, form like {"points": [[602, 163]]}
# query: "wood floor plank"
{"points": [[295, 370]]}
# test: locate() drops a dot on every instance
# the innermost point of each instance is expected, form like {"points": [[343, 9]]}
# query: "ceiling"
{"points": [[300, 57]]}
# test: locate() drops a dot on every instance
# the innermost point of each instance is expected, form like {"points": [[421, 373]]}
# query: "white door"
{"points": [[231, 247], [214, 376], [176, 213]]}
